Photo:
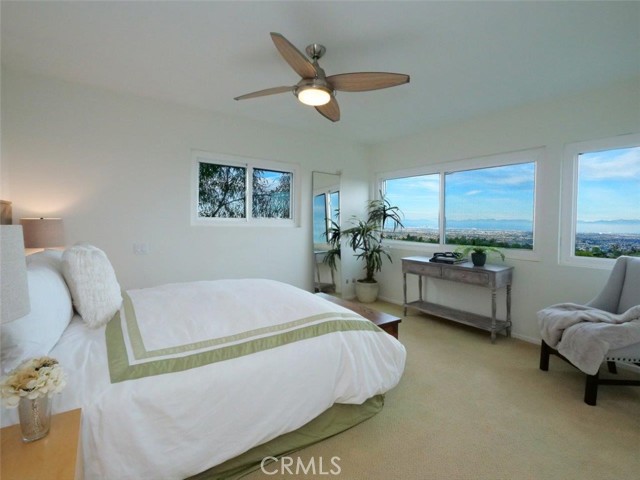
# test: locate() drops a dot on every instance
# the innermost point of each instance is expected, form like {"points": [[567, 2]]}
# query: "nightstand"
{"points": [[58, 456]]}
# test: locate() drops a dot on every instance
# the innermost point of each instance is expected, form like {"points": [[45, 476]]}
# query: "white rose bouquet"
{"points": [[32, 379]]}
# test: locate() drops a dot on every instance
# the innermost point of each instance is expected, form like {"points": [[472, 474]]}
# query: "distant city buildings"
{"points": [[606, 245]]}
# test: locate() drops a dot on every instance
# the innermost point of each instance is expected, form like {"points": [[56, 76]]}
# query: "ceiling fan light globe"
{"points": [[314, 96]]}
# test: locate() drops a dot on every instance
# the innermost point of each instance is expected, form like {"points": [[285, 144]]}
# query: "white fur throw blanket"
{"points": [[584, 334]]}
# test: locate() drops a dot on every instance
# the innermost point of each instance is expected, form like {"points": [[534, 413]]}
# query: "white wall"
{"points": [[597, 114], [117, 169]]}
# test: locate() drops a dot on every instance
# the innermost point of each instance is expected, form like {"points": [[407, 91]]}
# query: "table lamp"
{"points": [[42, 232]]}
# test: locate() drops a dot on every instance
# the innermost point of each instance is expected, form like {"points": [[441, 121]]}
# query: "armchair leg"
{"points": [[545, 351], [591, 389]]}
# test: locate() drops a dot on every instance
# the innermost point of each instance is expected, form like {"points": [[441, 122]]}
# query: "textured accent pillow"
{"points": [[92, 283], [35, 334]]}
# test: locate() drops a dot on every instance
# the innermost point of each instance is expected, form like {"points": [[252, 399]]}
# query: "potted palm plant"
{"points": [[479, 253], [365, 238], [334, 236]]}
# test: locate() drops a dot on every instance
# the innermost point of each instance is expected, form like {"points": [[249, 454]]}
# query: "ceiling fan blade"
{"points": [[294, 57], [365, 81], [330, 110], [262, 93]]}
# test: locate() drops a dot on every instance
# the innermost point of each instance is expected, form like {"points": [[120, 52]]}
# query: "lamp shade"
{"points": [[42, 232], [14, 289]]}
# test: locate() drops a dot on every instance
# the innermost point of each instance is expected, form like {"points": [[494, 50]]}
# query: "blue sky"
{"points": [[500, 193], [609, 185]]}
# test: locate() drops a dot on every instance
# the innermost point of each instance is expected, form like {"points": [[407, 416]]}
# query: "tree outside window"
{"points": [[271, 194], [222, 191]]}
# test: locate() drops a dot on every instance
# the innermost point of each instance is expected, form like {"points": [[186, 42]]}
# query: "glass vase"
{"points": [[35, 417]]}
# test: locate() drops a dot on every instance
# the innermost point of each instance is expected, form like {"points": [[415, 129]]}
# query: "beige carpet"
{"points": [[469, 409]]}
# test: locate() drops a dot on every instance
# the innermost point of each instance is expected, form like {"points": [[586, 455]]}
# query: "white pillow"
{"points": [[92, 283], [35, 334]]}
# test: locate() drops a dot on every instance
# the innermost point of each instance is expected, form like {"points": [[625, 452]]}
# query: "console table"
{"points": [[492, 277]]}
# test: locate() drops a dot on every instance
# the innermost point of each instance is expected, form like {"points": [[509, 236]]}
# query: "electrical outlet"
{"points": [[141, 249]]}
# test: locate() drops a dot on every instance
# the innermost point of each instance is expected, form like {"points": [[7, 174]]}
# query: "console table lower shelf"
{"points": [[460, 316]]}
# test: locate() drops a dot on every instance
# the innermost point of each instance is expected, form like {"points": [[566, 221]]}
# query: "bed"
{"points": [[199, 379]]}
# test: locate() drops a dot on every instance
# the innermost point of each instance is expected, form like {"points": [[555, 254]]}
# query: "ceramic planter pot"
{"points": [[478, 259], [367, 292]]}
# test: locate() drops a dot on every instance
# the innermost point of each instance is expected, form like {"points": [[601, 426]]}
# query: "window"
{"points": [[418, 199], [221, 191], [271, 194], [490, 206], [238, 191], [486, 201], [601, 201]]}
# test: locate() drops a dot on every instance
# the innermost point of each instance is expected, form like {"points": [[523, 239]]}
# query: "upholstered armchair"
{"points": [[611, 318]]}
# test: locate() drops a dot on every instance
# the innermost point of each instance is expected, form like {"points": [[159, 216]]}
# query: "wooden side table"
{"points": [[58, 456], [386, 322]]}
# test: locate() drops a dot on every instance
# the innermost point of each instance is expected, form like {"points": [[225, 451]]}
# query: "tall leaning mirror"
{"points": [[326, 228]]}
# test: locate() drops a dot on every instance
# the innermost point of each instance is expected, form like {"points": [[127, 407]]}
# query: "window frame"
{"points": [[531, 155], [569, 197], [200, 156]]}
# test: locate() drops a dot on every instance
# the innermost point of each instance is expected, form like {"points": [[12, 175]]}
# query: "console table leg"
{"points": [[404, 289], [493, 315], [508, 310]]}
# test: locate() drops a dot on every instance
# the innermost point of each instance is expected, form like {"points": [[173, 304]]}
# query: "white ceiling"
{"points": [[465, 58]]}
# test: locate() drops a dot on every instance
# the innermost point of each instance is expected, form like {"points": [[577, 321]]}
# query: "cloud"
{"points": [[473, 192], [611, 164]]}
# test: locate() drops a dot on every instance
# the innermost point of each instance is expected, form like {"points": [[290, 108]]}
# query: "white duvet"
{"points": [[174, 425]]}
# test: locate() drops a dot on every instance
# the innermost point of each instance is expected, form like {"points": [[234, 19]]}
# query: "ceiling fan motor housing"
{"points": [[315, 51]]}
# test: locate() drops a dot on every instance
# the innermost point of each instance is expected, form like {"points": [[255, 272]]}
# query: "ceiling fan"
{"points": [[318, 90]]}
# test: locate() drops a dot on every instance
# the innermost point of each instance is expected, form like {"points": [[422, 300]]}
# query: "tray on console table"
{"points": [[492, 277]]}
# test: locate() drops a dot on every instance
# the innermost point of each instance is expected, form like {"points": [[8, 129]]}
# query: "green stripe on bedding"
{"points": [[140, 352], [120, 369]]}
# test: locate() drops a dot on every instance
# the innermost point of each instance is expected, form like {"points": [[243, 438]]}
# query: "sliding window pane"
{"points": [[320, 219], [221, 191], [608, 203], [418, 199], [334, 206], [491, 206], [271, 194]]}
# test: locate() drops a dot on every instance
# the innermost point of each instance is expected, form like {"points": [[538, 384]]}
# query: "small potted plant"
{"points": [[365, 239], [479, 253]]}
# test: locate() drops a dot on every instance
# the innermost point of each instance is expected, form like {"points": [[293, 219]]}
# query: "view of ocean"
{"points": [[614, 226]]}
